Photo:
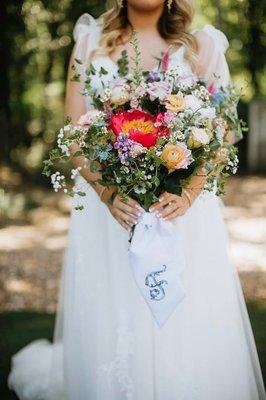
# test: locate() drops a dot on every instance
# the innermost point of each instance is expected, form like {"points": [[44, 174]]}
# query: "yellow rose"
{"points": [[175, 103], [176, 156], [198, 137]]}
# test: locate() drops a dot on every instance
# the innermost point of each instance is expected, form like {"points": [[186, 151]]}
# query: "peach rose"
{"points": [[175, 103], [176, 156]]}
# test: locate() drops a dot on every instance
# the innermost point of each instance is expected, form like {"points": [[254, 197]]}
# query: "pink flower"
{"points": [[212, 89], [159, 90], [164, 118], [136, 149], [165, 61], [89, 118], [168, 117]]}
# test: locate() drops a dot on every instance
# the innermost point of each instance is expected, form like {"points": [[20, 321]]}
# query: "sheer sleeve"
{"points": [[86, 35], [213, 67]]}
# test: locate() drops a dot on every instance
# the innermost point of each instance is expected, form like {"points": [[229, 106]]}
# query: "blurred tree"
{"points": [[36, 38], [242, 22]]}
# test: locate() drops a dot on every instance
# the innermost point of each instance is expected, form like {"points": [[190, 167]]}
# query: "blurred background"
{"points": [[36, 41]]}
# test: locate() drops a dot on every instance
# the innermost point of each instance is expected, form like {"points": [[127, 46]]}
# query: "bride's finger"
{"points": [[169, 209], [128, 206], [129, 209], [133, 203], [123, 224], [127, 217], [161, 203], [164, 201]]}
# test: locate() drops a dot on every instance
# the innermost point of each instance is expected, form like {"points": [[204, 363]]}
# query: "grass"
{"points": [[19, 328]]}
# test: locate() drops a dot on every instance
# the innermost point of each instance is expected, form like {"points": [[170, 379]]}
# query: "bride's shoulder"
{"points": [[210, 38], [86, 25]]}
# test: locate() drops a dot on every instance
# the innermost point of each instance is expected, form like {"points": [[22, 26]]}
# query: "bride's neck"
{"points": [[144, 20]]}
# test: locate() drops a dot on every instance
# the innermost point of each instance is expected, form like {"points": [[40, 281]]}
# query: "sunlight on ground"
{"points": [[32, 246]]}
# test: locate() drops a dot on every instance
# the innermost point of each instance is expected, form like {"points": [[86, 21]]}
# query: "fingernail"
{"points": [[161, 199], [138, 207], [158, 215], [151, 209]]}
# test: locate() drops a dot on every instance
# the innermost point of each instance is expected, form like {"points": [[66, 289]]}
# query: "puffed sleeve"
{"points": [[86, 36], [212, 67]]}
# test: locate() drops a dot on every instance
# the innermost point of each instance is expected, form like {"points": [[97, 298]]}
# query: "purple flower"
{"points": [[158, 90], [124, 146], [153, 76], [127, 148]]}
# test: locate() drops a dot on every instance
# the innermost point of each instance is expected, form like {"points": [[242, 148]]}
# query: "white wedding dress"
{"points": [[107, 345]]}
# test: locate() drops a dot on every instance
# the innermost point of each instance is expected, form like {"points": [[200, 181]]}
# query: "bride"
{"points": [[107, 345]]}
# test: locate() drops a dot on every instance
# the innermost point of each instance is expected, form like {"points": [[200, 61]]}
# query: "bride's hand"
{"points": [[126, 213], [171, 205]]}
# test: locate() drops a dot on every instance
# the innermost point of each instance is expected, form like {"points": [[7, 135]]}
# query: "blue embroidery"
{"points": [[157, 291]]}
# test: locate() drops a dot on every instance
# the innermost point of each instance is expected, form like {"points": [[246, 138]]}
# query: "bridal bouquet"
{"points": [[149, 131]]}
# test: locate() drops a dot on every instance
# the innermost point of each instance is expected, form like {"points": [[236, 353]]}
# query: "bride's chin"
{"points": [[145, 5]]}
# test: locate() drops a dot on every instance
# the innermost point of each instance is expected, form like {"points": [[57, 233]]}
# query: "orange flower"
{"points": [[176, 156], [175, 103]]}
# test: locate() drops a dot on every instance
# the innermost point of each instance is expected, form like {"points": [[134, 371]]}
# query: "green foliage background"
{"points": [[35, 47]]}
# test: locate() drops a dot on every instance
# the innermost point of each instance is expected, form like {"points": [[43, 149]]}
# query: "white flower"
{"points": [[119, 91], [198, 137], [74, 172], [193, 103], [67, 128], [208, 112], [58, 181]]}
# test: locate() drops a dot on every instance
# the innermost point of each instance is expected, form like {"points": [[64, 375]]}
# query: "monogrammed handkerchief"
{"points": [[157, 259]]}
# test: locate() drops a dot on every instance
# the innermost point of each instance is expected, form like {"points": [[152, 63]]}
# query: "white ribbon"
{"points": [[157, 259]]}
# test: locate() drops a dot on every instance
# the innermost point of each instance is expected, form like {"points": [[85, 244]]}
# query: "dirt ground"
{"points": [[33, 237]]}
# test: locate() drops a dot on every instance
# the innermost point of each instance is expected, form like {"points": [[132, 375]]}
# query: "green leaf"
{"points": [[103, 71], [172, 181], [215, 145], [78, 153], [75, 78], [93, 166], [79, 208]]}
